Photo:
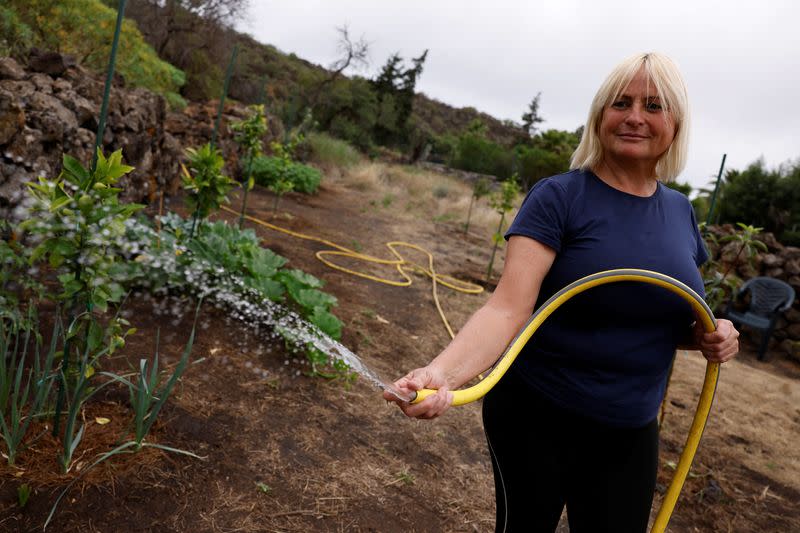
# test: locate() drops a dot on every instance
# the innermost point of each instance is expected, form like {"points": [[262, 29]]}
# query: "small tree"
{"points": [[207, 186], [282, 182], [502, 201], [480, 188], [249, 134], [531, 119]]}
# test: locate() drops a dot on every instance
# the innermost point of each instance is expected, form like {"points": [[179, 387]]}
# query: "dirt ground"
{"points": [[283, 452]]}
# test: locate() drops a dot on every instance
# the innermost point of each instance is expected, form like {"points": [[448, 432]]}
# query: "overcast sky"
{"points": [[741, 60]]}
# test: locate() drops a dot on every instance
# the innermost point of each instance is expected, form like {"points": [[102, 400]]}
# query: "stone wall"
{"points": [[780, 262], [51, 106]]}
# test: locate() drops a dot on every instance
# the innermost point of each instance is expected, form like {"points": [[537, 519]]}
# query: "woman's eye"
{"points": [[652, 106], [620, 104]]}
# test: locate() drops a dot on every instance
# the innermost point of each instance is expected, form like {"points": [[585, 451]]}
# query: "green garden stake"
{"points": [[716, 189], [101, 124], [228, 75]]}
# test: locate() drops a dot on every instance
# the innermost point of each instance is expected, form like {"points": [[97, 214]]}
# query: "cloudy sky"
{"points": [[741, 60]]}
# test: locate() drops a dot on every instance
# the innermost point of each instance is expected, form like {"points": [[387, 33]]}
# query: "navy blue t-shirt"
{"points": [[605, 353]]}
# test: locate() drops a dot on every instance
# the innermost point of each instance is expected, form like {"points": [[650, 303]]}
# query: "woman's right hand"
{"points": [[427, 377]]}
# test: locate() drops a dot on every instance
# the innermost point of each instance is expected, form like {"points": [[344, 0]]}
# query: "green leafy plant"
{"points": [[207, 186], [502, 201], [24, 385], [720, 285], [147, 397], [480, 188], [248, 134], [231, 268], [74, 222]]}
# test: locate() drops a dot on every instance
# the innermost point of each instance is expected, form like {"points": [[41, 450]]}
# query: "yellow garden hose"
{"points": [[700, 308], [404, 266]]}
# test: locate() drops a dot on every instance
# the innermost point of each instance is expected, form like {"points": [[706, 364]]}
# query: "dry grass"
{"points": [[411, 192]]}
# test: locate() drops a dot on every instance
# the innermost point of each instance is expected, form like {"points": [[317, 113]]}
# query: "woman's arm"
{"points": [[486, 334]]}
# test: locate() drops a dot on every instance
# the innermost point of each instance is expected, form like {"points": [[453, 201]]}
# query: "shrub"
{"points": [[84, 28], [15, 36], [267, 170], [476, 153], [327, 150]]}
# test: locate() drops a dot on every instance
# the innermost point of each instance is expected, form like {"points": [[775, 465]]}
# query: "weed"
{"points": [[369, 313], [387, 200], [440, 191], [263, 487], [405, 477], [23, 494]]}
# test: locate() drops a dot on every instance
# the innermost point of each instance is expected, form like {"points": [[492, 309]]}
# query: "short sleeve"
{"points": [[700, 252], [543, 214]]}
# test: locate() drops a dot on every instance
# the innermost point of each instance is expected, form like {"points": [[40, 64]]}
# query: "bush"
{"points": [[84, 28], [15, 36], [267, 170], [327, 150], [476, 153]]}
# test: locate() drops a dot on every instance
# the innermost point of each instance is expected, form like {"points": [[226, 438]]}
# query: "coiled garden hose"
{"points": [[703, 313]]}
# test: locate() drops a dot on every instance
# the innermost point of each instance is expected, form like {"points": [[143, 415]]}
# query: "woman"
{"points": [[573, 422]]}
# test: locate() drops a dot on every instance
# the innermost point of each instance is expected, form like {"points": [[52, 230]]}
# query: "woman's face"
{"points": [[635, 129]]}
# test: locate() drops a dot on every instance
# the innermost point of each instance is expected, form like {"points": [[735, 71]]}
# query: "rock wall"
{"points": [[51, 107], [780, 262]]}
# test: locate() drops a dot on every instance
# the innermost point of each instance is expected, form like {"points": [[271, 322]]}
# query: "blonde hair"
{"points": [[670, 88]]}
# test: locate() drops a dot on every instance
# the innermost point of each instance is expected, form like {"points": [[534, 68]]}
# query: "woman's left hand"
{"points": [[720, 345]]}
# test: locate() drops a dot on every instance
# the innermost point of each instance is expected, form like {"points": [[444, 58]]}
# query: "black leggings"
{"points": [[544, 457]]}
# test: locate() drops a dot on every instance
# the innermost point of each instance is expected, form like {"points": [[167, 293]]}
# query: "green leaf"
{"points": [[74, 168], [312, 299], [94, 337], [327, 322]]}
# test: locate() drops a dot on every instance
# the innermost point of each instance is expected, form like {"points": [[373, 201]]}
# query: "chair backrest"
{"points": [[768, 295]]}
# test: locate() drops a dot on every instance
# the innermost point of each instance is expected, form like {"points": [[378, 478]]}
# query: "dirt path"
{"points": [[288, 453]]}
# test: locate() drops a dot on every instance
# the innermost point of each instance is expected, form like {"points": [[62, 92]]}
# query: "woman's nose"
{"points": [[635, 114]]}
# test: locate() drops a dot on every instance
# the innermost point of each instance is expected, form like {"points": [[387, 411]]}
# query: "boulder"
{"points": [[10, 69], [772, 260], [12, 116], [792, 267], [51, 63]]}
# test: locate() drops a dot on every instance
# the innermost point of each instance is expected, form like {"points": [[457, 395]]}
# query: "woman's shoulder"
{"points": [[567, 182], [674, 196]]}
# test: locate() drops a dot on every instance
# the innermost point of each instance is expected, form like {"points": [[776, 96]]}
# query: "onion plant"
{"points": [[23, 395], [147, 396]]}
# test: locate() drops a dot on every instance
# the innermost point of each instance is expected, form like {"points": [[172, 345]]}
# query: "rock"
{"points": [[792, 349], [12, 116], [772, 260], [775, 273], [794, 281], [747, 271], [793, 332], [50, 116], [51, 63], [769, 239], [43, 83], [792, 315], [61, 85], [792, 267], [791, 252], [85, 112], [21, 89], [10, 69], [25, 149]]}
